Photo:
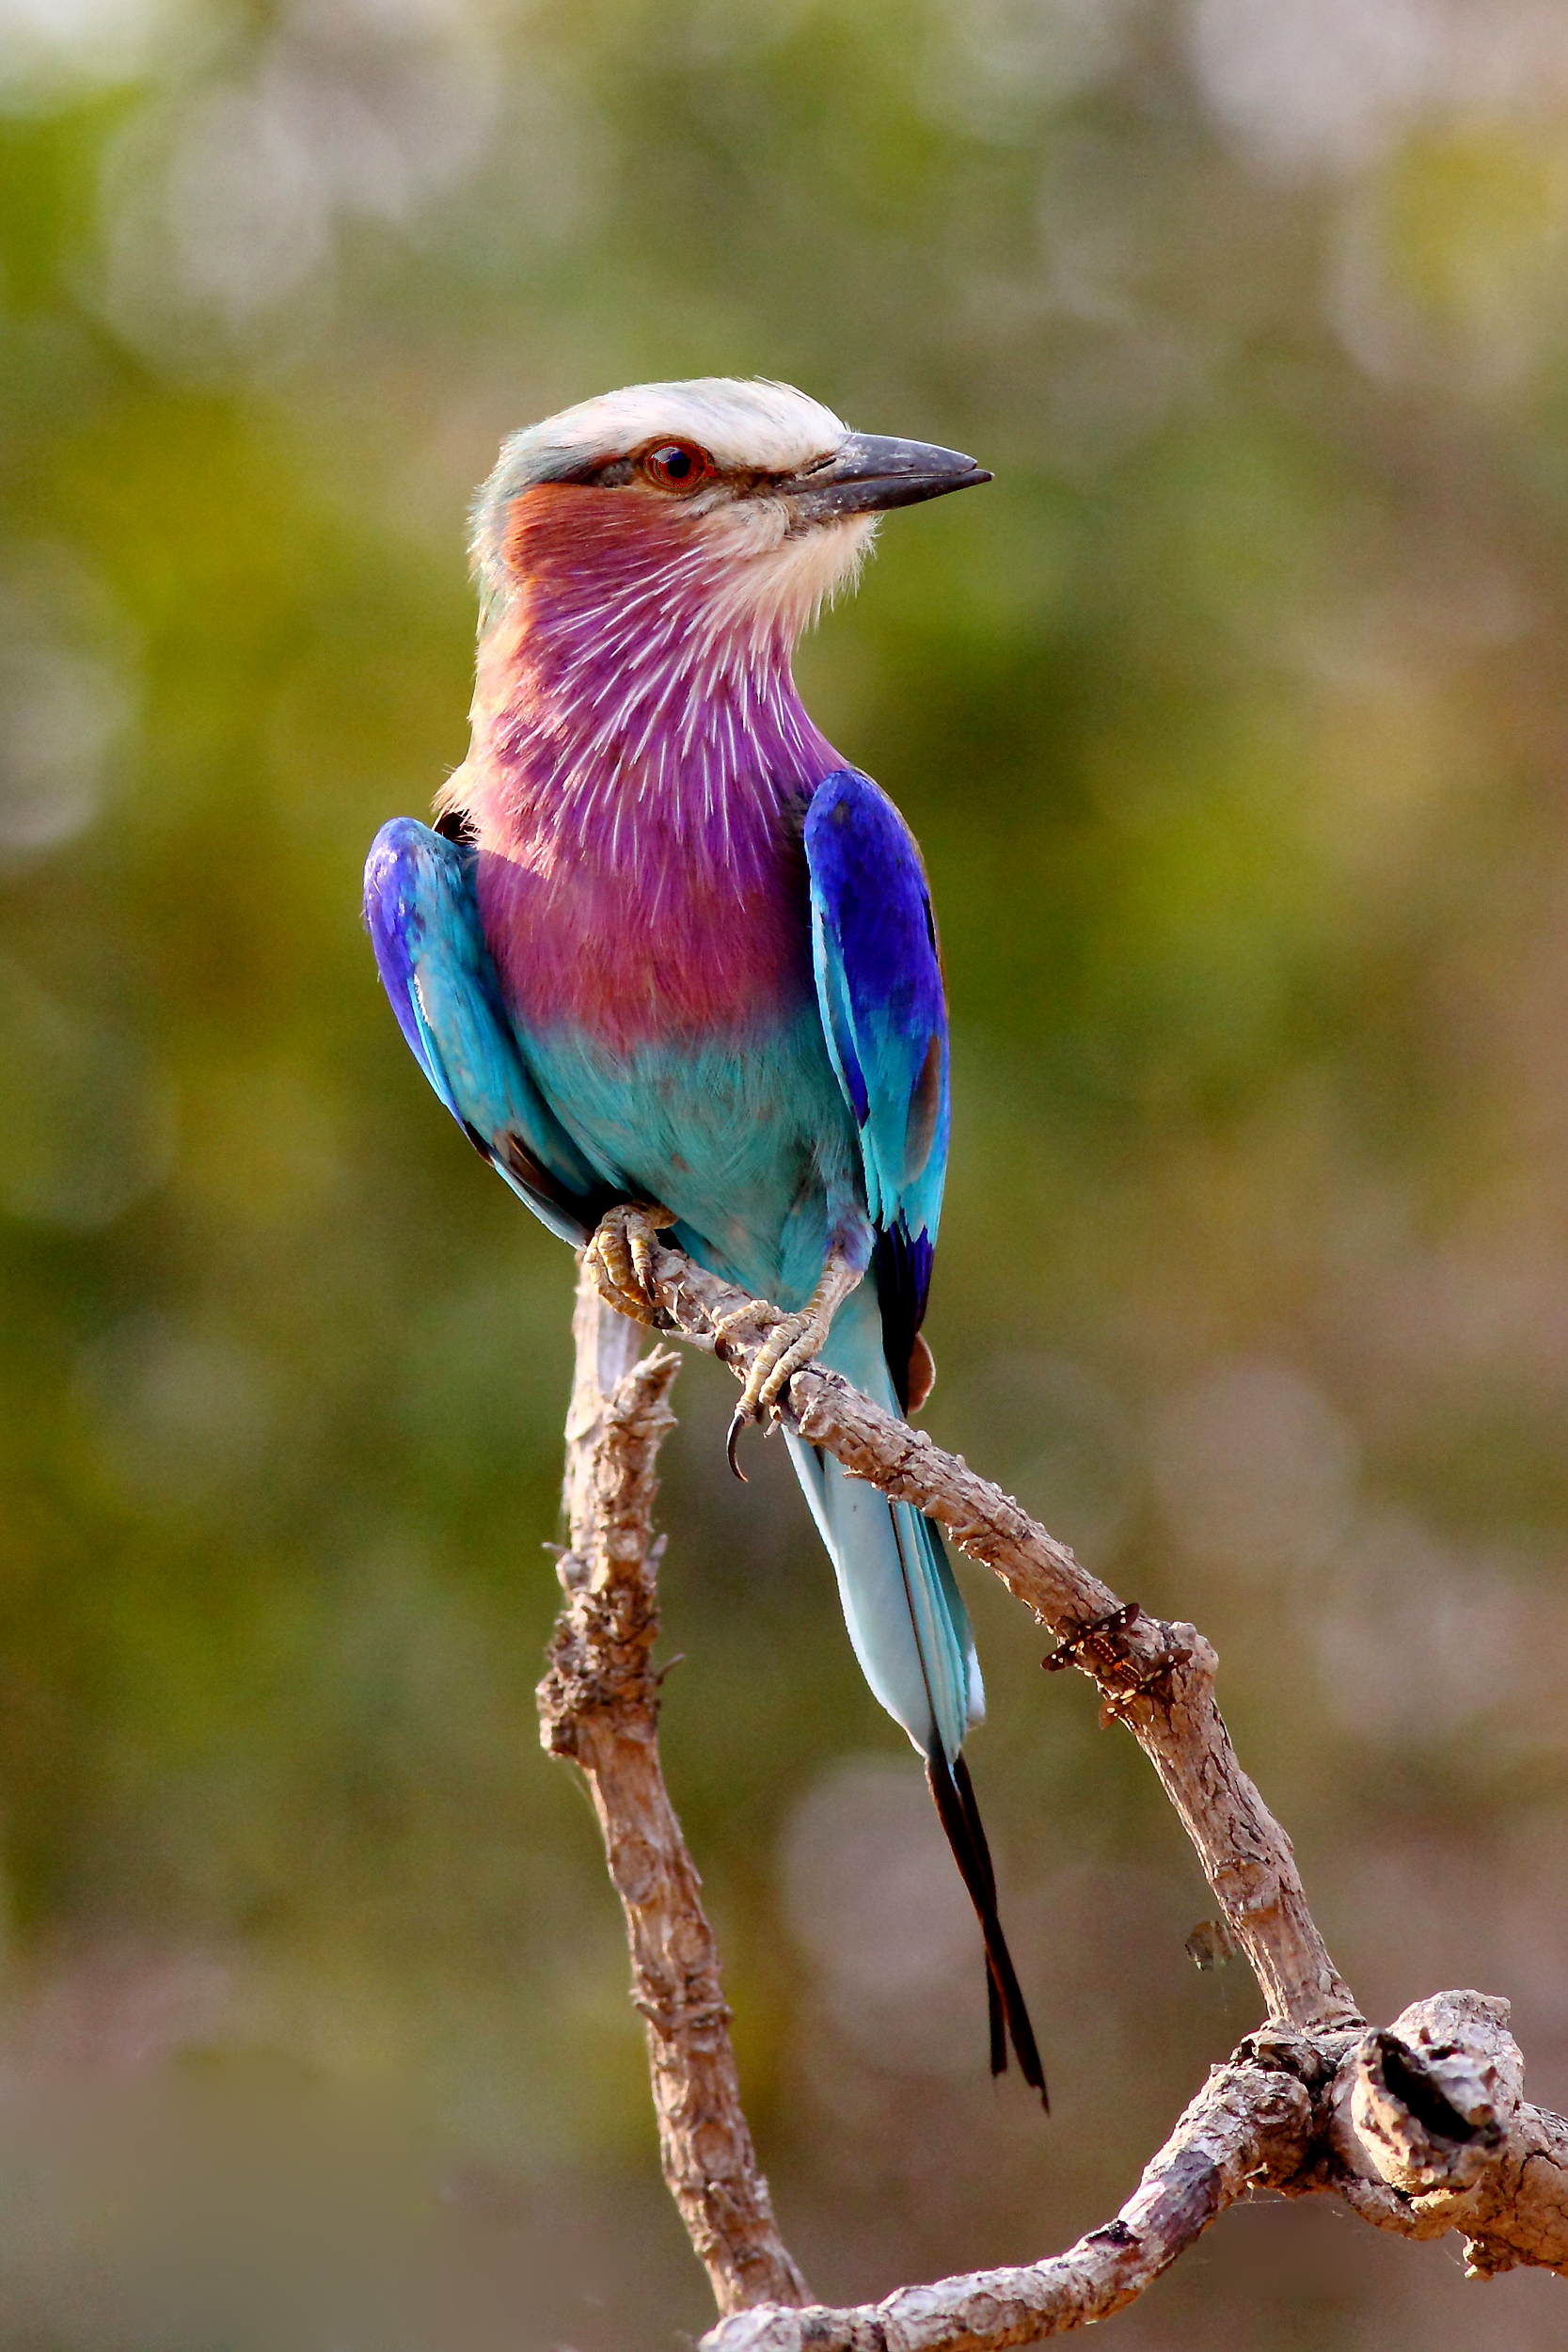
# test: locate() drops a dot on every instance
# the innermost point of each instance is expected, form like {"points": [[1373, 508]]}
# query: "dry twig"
{"points": [[598, 1703], [1422, 2128]]}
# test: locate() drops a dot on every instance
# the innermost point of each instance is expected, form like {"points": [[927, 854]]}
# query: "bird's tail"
{"points": [[911, 1634]]}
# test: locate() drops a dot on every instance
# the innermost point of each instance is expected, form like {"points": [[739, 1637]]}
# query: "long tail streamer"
{"points": [[954, 1792]]}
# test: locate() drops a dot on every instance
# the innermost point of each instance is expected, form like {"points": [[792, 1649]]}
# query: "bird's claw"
{"points": [[742, 1324], [791, 1342], [794, 1341], [621, 1258]]}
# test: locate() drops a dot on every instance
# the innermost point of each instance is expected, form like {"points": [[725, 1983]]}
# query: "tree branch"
{"points": [[1434, 2131], [1420, 2127], [1247, 2128], [1157, 1678], [598, 1703]]}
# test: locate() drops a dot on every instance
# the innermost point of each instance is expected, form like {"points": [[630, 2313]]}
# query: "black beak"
{"points": [[868, 473]]}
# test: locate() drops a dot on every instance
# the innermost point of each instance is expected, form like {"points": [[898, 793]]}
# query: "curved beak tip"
{"points": [[871, 474]]}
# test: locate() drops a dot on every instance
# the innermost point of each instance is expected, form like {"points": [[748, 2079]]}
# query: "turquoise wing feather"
{"points": [[423, 919]]}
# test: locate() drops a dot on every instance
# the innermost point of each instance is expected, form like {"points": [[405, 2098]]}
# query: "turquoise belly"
{"points": [[748, 1141]]}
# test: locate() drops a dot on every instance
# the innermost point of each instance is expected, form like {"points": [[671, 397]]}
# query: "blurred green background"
{"points": [[1234, 720]]}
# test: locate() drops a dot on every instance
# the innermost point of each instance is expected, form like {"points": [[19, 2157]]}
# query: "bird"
{"points": [[670, 961]]}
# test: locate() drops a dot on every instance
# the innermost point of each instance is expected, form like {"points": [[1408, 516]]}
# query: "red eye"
{"points": [[676, 466]]}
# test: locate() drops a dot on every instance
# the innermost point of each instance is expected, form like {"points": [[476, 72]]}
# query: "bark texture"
{"points": [[1434, 2133], [598, 1705], [1247, 2128]]}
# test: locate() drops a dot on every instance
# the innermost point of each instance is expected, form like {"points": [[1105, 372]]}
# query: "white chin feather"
{"points": [[773, 584]]}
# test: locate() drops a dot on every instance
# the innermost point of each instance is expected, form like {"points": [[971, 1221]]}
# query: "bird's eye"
{"points": [[676, 466]]}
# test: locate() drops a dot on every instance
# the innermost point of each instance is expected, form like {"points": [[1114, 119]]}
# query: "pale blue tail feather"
{"points": [[905, 1614]]}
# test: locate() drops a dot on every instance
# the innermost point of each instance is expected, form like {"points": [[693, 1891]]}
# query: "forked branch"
{"points": [[1422, 2128]]}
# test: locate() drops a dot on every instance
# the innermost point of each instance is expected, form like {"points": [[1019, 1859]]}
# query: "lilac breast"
{"points": [[649, 949], [637, 784]]}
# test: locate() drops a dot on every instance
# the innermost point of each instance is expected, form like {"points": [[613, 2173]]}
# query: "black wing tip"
{"points": [[903, 1263]]}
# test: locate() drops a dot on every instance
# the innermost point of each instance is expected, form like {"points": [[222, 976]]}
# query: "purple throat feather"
{"points": [[640, 769]]}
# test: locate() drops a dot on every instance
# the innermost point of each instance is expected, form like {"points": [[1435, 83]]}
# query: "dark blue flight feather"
{"points": [[878, 982]]}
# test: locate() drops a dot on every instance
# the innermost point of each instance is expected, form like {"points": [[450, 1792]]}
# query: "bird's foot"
{"points": [[621, 1259], [792, 1340]]}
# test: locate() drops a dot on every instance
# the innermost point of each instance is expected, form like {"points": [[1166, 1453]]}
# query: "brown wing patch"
{"points": [[924, 1107], [922, 1374]]}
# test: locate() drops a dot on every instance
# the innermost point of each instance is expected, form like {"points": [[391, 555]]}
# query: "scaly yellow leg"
{"points": [[793, 1341], [621, 1259]]}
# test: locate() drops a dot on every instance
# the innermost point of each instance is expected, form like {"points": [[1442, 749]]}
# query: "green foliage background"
{"points": [[1232, 719]]}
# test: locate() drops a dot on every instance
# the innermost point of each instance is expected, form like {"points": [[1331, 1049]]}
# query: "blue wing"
{"points": [[879, 985], [423, 920]]}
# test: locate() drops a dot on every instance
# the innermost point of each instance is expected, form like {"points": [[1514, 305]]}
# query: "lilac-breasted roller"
{"points": [[670, 961]]}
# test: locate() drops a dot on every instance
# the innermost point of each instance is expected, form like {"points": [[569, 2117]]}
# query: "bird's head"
{"points": [[743, 504]]}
